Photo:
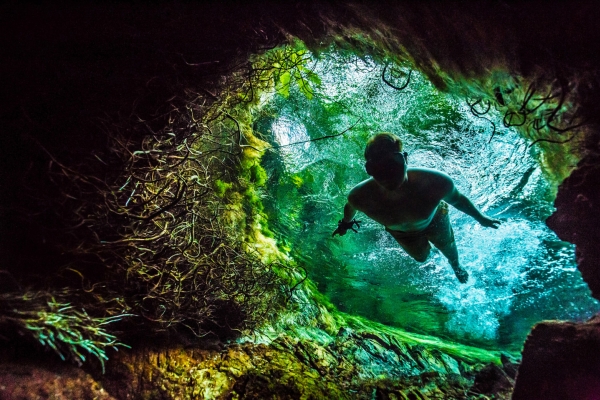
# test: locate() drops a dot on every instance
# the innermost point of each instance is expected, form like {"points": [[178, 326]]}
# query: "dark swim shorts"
{"points": [[439, 230]]}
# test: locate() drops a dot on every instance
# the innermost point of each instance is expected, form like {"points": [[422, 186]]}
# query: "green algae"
{"points": [[460, 351], [222, 187], [349, 365]]}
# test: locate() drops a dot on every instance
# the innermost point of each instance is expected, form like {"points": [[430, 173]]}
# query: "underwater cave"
{"points": [[522, 273], [180, 169]]}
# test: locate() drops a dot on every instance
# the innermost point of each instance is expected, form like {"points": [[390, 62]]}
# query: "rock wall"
{"points": [[352, 365], [560, 361], [577, 219], [20, 379]]}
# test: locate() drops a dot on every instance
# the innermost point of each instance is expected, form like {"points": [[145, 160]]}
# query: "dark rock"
{"points": [[255, 386], [31, 380], [492, 380], [509, 366], [577, 219], [289, 368], [561, 360]]}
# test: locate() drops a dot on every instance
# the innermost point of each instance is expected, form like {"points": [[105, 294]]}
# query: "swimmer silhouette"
{"points": [[412, 203]]}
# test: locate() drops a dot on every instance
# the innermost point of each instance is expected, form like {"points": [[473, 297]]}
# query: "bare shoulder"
{"points": [[433, 177], [361, 191]]}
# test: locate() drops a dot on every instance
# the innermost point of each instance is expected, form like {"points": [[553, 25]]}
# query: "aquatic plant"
{"points": [[164, 226], [69, 332]]}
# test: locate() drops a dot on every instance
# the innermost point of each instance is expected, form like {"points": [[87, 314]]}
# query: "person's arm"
{"points": [[462, 203], [347, 222], [349, 212]]}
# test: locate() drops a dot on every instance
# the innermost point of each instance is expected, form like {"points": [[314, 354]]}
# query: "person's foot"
{"points": [[461, 274]]}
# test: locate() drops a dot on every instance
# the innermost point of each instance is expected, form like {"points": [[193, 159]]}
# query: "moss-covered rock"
{"points": [[360, 361], [350, 365]]}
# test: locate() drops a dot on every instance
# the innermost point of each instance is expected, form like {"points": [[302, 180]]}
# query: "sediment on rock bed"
{"points": [[355, 364]]}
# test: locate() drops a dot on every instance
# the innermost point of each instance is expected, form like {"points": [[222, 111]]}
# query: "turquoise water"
{"points": [[520, 273]]}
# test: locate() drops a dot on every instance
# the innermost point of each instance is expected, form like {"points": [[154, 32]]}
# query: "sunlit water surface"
{"points": [[520, 273]]}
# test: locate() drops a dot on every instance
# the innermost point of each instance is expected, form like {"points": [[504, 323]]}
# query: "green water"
{"points": [[520, 274]]}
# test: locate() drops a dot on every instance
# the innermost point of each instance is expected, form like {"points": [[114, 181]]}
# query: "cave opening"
{"points": [[176, 173], [317, 118]]}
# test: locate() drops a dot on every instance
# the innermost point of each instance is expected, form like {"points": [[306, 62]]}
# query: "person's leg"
{"points": [[415, 246], [440, 233]]}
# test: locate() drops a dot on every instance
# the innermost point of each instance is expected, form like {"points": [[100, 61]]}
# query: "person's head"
{"points": [[386, 162]]}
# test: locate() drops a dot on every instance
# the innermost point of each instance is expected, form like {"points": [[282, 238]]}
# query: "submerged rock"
{"points": [[19, 380], [354, 364], [561, 360], [493, 379]]}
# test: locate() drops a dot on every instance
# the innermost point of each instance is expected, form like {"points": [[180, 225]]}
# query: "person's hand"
{"points": [[344, 226], [490, 222]]}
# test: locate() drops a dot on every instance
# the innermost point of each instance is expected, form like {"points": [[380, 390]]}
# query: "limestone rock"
{"points": [[355, 364], [576, 218], [48, 381], [493, 379], [561, 360]]}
